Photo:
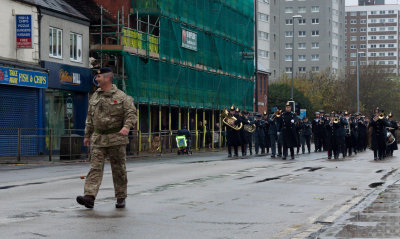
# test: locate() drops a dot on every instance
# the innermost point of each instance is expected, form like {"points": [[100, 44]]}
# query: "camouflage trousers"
{"points": [[117, 155]]}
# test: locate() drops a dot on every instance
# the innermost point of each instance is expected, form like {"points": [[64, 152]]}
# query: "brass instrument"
{"points": [[336, 120], [250, 128], [381, 116], [229, 120], [277, 114]]}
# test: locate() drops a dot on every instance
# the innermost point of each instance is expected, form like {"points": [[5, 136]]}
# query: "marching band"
{"points": [[337, 133]]}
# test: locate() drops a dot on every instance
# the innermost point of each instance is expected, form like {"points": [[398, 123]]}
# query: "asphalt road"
{"points": [[200, 196]]}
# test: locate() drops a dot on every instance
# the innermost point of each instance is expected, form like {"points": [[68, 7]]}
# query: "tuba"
{"points": [[336, 120], [227, 120], [250, 128]]}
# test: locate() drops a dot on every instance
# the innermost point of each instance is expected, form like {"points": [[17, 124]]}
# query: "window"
{"points": [[302, 69], [288, 10], [288, 69], [353, 38], [289, 21], [302, 57], [391, 12], [390, 53], [390, 62], [363, 38], [382, 12], [315, 68], [363, 46], [382, 37], [381, 53], [315, 21], [391, 37], [302, 33], [391, 20], [55, 42], [373, 20], [373, 12], [390, 45], [263, 54], [373, 46], [363, 13], [373, 37], [315, 33], [315, 45], [288, 46], [302, 21], [314, 9], [302, 10], [363, 54], [353, 46], [381, 62], [390, 28], [373, 54], [353, 54], [363, 63], [302, 45], [352, 63], [382, 29], [288, 58], [353, 21], [75, 48], [373, 29], [353, 29], [315, 57], [263, 35], [363, 21], [353, 14], [263, 17], [363, 29], [382, 20], [381, 45]]}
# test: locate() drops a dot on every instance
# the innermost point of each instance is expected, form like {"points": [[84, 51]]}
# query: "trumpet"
{"points": [[277, 114], [336, 120]]}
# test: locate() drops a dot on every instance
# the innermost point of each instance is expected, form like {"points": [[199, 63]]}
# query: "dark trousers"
{"points": [[273, 140], [259, 143], [235, 148], [318, 142], [280, 144], [305, 139], [285, 151], [348, 149]]}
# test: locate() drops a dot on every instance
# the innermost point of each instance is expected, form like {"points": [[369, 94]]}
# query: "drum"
{"points": [[390, 139]]}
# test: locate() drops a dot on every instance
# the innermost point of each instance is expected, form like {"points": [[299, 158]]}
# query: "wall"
{"points": [[67, 27], [8, 49]]}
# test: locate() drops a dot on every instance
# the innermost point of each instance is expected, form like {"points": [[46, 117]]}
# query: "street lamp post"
{"points": [[358, 80], [293, 21]]}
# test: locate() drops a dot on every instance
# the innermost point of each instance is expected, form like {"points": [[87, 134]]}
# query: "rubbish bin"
{"points": [[70, 146]]}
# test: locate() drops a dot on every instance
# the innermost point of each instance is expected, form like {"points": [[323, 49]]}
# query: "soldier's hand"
{"points": [[86, 142], [124, 131]]}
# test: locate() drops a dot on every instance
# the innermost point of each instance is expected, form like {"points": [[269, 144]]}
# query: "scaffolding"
{"points": [[167, 78]]}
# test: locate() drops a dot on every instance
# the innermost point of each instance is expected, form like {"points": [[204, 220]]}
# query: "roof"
{"points": [[91, 9], [59, 6]]}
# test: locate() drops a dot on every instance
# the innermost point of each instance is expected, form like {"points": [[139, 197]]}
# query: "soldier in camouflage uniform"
{"points": [[111, 115]]}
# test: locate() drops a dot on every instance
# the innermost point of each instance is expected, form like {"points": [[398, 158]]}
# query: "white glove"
{"points": [[292, 121]]}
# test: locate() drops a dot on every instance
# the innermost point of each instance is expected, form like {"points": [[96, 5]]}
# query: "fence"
{"points": [[23, 143]]}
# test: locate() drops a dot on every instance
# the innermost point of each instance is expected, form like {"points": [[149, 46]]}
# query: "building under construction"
{"points": [[181, 60]]}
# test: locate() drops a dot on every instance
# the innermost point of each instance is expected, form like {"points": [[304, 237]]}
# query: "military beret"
{"points": [[104, 70]]}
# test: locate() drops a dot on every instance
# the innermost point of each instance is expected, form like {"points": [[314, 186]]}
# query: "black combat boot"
{"points": [[120, 203], [87, 201]]}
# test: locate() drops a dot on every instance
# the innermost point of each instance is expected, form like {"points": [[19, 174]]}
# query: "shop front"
{"points": [[21, 113], [66, 101]]}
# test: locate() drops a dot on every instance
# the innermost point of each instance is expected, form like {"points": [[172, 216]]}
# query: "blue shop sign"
{"points": [[68, 77], [11, 76]]}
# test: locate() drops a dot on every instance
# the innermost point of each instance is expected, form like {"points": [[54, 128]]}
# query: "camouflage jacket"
{"points": [[108, 112]]}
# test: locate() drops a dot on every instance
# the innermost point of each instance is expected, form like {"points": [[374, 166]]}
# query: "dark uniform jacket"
{"points": [[233, 137], [289, 135], [378, 136]]}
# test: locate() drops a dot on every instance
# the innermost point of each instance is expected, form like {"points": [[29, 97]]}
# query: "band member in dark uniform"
{"points": [[347, 129], [392, 128], [353, 135], [362, 133], [339, 135], [259, 134], [274, 126], [317, 129], [323, 119], [248, 135], [306, 135], [378, 137], [289, 135], [330, 134], [233, 136], [267, 141]]}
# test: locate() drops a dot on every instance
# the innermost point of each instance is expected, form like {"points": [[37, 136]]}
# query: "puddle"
{"points": [[273, 178], [310, 169], [377, 184]]}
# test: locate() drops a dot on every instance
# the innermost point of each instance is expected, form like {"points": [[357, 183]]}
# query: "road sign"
{"points": [[303, 113]]}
